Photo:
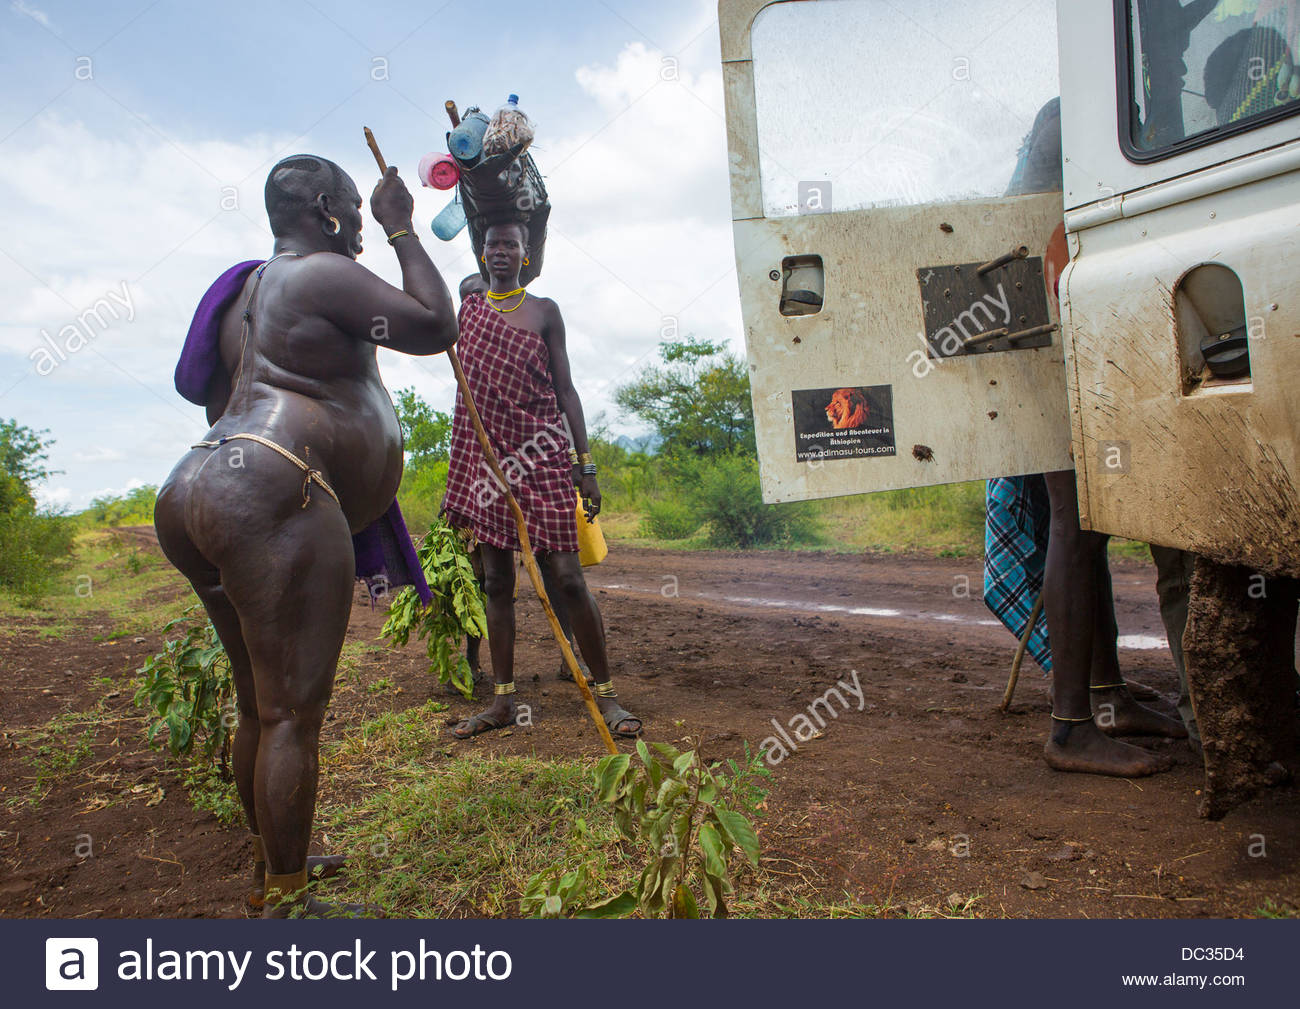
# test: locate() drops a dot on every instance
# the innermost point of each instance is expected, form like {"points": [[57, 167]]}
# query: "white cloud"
{"points": [[99, 454], [39, 16], [640, 231], [53, 498]]}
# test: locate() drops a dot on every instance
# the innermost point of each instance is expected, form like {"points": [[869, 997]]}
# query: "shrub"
{"points": [[724, 491], [134, 508], [188, 689], [420, 495], [669, 519], [30, 545]]}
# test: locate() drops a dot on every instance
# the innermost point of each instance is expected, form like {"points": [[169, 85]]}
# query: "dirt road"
{"points": [[915, 790]]}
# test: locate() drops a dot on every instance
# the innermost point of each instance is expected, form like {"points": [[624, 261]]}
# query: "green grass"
{"points": [[134, 591], [432, 836], [56, 749], [211, 792], [1272, 909], [946, 521], [434, 830]]}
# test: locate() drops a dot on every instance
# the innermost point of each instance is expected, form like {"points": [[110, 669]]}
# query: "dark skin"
{"points": [[1081, 625], [472, 284], [275, 577], [503, 249]]}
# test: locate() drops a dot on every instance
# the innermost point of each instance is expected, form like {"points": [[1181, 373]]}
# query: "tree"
{"points": [[427, 431], [31, 541], [23, 453], [698, 400]]}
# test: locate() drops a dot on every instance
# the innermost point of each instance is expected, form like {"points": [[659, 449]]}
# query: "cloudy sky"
{"points": [[136, 135]]}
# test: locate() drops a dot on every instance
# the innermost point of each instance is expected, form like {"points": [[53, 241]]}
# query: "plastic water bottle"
{"points": [[450, 220], [509, 128]]}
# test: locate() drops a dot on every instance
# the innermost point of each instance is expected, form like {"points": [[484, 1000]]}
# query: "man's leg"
{"points": [[1173, 586], [1072, 596], [499, 587], [560, 605], [589, 629], [1116, 712]]}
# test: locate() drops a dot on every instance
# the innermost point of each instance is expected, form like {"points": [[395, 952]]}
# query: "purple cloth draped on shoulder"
{"points": [[386, 557]]}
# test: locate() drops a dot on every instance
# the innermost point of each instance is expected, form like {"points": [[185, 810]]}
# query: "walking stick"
{"points": [[1020, 652], [525, 546]]}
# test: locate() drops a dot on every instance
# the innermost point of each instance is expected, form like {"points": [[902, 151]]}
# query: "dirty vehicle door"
{"points": [[1182, 298], [893, 197]]}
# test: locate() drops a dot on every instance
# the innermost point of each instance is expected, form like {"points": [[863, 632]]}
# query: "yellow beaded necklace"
{"points": [[494, 297]]}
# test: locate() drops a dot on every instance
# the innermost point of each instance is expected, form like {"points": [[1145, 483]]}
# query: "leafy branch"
{"points": [[680, 810], [457, 607], [188, 686]]}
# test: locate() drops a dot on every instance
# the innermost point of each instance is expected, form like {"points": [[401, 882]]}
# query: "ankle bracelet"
{"points": [[1108, 686], [1070, 721], [606, 689], [504, 688], [284, 886]]}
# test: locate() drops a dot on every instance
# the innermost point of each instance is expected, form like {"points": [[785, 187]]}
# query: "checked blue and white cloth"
{"points": [[1016, 522]]}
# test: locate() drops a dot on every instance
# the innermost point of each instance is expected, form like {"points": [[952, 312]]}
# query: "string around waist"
{"points": [[311, 475]]}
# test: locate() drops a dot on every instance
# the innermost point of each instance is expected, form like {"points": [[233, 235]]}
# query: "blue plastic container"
{"points": [[450, 220], [465, 142]]}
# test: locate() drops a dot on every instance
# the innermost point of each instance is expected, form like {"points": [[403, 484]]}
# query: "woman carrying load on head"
{"points": [[513, 352]]}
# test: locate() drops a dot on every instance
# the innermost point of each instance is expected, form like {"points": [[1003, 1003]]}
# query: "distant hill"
{"points": [[647, 443]]}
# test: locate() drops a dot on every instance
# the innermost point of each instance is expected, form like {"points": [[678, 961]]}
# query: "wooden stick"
{"points": [[374, 149], [452, 114], [521, 524], [1020, 652]]}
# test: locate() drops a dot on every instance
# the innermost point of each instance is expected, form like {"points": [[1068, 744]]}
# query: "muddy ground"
{"points": [[925, 794]]}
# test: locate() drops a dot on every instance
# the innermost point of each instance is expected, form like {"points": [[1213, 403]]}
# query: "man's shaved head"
{"points": [[294, 184]]}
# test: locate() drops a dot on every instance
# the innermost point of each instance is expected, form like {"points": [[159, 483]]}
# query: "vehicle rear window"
{"points": [[1204, 69]]}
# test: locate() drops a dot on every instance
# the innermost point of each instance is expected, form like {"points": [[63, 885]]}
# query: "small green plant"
{"points": [[214, 792], [188, 687], [679, 809], [669, 519], [457, 607], [56, 750]]}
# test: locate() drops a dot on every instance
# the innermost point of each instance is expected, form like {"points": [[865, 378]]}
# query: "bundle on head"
{"points": [[500, 187]]}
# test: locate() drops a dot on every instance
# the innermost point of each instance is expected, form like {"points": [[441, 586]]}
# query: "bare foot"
{"points": [[1118, 714], [1085, 749], [1141, 692]]}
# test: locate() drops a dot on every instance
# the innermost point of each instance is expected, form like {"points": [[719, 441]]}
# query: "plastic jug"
{"points": [[466, 141], [438, 171], [447, 225]]}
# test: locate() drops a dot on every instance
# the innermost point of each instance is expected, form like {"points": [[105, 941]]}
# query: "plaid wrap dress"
{"points": [[508, 372]]}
